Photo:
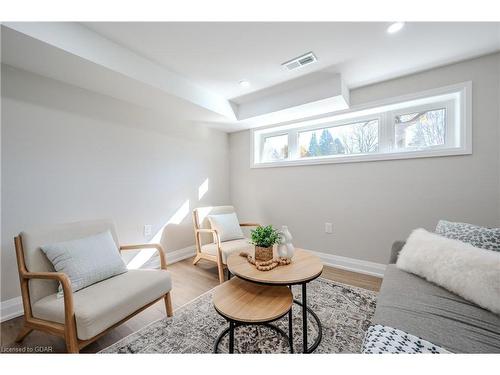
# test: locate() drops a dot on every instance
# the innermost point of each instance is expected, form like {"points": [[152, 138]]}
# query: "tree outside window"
{"points": [[355, 138]]}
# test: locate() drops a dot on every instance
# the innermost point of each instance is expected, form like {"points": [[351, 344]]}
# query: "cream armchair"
{"points": [[208, 244], [86, 315]]}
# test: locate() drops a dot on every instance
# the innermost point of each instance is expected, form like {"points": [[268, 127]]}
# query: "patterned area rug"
{"points": [[345, 313]]}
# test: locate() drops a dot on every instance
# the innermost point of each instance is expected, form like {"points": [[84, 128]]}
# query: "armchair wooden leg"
{"points": [[71, 338], [168, 304], [196, 259], [221, 273], [25, 331]]}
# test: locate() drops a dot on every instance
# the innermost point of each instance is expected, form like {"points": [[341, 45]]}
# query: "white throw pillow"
{"points": [[227, 225], [470, 272], [86, 261]]}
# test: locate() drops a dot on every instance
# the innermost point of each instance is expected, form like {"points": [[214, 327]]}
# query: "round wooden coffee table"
{"points": [[243, 303], [304, 268]]}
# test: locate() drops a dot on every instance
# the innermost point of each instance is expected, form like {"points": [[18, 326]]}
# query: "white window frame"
{"points": [[456, 99], [270, 135], [450, 131], [333, 124]]}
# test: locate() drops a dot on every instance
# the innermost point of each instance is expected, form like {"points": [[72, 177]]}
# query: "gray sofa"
{"points": [[416, 306]]}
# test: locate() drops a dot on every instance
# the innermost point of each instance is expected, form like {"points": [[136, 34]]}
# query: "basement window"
{"points": [[275, 148], [428, 124]]}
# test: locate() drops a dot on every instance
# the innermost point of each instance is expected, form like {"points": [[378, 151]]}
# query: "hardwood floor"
{"points": [[189, 282]]}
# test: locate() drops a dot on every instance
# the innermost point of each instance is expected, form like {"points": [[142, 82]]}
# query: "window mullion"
{"points": [[292, 145], [351, 138], [386, 132]]}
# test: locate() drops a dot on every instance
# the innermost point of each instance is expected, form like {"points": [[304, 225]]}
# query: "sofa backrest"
{"points": [[397, 246], [35, 259], [200, 218]]}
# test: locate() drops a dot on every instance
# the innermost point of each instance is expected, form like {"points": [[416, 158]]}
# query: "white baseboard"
{"points": [[351, 264], [12, 308], [181, 254], [337, 261]]}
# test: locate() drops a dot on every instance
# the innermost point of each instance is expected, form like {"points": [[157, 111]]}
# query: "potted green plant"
{"points": [[264, 238]]}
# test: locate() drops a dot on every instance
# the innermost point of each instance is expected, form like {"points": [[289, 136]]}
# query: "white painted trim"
{"points": [[421, 97], [12, 308], [181, 254], [460, 93], [351, 264], [430, 153], [78, 40]]}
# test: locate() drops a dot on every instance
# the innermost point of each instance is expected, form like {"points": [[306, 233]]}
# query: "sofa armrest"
{"points": [[396, 248], [157, 246]]}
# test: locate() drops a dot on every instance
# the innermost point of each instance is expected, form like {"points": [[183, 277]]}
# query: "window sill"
{"points": [[366, 158]]}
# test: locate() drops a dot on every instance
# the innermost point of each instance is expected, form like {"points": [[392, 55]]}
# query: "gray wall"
{"points": [[69, 154], [371, 204]]}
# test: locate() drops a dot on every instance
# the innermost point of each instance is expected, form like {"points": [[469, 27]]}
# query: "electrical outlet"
{"points": [[328, 228], [148, 229]]}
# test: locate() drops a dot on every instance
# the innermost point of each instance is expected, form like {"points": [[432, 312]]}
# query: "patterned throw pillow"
{"points": [[482, 237], [381, 339]]}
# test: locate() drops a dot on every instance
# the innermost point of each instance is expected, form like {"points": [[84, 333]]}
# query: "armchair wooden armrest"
{"points": [[212, 231], [250, 225], [65, 283], [206, 230], [157, 246], [69, 313], [59, 276]]}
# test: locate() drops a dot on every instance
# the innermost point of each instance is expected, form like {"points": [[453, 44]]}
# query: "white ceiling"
{"points": [[190, 71], [218, 55], [60, 64]]}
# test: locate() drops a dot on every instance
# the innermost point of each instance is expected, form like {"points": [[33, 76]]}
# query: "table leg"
{"points": [[231, 337], [290, 330], [304, 317]]}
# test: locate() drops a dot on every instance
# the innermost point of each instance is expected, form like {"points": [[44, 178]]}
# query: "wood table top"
{"points": [[248, 302], [303, 268]]}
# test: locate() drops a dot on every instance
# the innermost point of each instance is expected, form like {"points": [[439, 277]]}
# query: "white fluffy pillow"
{"points": [[227, 225], [470, 272]]}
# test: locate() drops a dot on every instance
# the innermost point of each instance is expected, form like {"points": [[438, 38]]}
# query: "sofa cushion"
{"points": [[482, 237], [201, 219], [227, 226], [104, 304], [86, 260], [36, 261], [411, 304], [381, 339], [229, 247], [468, 271]]}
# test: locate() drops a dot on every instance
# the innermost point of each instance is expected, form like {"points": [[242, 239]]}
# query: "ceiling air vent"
{"points": [[300, 61]]}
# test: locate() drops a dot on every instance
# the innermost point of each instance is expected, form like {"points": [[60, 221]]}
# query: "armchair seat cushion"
{"points": [[229, 247], [104, 304]]}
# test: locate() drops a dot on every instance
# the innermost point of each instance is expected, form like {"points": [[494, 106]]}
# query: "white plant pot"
{"points": [[282, 250], [285, 248], [290, 250], [286, 234]]}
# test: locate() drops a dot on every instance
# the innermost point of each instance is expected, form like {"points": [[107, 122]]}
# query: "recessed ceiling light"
{"points": [[395, 27], [244, 83]]}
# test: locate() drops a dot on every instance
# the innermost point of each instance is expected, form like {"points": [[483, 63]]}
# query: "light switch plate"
{"points": [[148, 229]]}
